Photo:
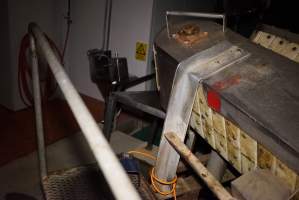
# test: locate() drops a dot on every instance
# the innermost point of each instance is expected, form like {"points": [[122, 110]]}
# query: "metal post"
{"points": [[198, 167], [195, 14], [38, 111], [117, 179], [107, 24]]}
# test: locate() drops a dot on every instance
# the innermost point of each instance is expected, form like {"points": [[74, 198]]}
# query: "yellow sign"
{"points": [[141, 51]]}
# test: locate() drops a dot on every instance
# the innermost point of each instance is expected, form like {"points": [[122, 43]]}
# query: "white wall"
{"points": [[19, 14], [86, 33], [131, 22]]}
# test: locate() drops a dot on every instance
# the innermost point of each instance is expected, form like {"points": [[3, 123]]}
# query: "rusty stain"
{"points": [[190, 34], [226, 83]]}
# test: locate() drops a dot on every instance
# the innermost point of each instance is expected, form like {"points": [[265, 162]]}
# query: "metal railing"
{"points": [[116, 177]]}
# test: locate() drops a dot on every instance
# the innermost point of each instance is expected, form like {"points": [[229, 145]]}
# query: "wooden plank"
{"points": [[233, 134], [288, 175], [207, 127], [296, 59], [248, 147], [200, 96], [265, 159], [218, 123], [256, 37], [291, 51], [296, 192], [264, 39], [198, 167], [246, 164], [221, 144], [234, 156], [197, 124], [278, 45], [196, 108]]}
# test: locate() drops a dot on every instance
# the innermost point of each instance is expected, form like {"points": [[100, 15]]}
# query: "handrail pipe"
{"points": [[115, 175]]}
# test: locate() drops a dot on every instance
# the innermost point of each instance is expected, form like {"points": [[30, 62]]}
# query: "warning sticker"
{"points": [[141, 51]]}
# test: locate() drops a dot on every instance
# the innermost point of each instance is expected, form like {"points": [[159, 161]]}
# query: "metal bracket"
{"points": [[195, 14]]}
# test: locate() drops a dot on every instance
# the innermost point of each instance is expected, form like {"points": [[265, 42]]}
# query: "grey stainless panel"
{"points": [[265, 88], [260, 93], [188, 74]]}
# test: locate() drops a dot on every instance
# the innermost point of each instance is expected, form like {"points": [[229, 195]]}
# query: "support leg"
{"points": [[109, 115]]}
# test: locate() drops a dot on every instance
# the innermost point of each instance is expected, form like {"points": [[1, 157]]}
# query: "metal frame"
{"points": [[104, 155], [189, 74], [145, 101], [195, 14]]}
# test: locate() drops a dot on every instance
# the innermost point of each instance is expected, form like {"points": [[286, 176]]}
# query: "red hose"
{"points": [[24, 72], [25, 77]]}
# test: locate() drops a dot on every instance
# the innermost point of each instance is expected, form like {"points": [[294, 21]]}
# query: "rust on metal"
{"points": [[190, 34], [226, 83]]}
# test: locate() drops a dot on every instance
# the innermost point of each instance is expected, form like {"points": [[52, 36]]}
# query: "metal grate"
{"points": [[85, 183]]}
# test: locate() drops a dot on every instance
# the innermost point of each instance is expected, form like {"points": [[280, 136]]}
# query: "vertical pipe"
{"points": [[38, 111], [107, 24]]}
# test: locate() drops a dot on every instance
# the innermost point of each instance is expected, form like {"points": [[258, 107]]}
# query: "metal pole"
{"points": [[38, 111], [195, 14], [198, 167], [118, 180], [107, 24]]}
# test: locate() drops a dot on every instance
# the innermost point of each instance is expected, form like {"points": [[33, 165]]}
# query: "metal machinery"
{"points": [[239, 96]]}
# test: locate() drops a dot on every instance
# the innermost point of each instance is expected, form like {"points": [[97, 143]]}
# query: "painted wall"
{"points": [[131, 22], [17, 15], [86, 33]]}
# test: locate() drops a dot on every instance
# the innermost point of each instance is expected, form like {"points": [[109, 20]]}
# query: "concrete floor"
{"points": [[21, 175]]}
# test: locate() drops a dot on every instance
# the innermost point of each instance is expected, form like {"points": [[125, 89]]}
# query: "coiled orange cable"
{"points": [[155, 179]]}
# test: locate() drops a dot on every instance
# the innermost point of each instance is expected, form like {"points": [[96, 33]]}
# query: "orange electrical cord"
{"points": [[155, 179]]}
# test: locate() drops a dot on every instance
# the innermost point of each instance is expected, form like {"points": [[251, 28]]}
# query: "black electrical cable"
{"points": [[68, 22]]}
